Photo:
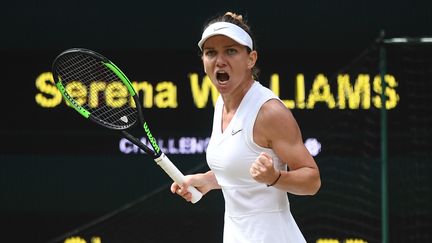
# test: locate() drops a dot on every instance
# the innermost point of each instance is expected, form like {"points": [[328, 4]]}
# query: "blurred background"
{"points": [[63, 179]]}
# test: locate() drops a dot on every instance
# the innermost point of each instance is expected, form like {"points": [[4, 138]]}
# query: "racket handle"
{"points": [[175, 174]]}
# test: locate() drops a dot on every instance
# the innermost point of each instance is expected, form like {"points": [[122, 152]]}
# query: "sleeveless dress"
{"points": [[254, 213]]}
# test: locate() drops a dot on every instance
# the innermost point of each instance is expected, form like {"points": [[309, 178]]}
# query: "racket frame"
{"points": [[158, 156]]}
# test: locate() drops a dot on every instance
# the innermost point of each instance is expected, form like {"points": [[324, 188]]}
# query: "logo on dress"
{"points": [[234, 132]]}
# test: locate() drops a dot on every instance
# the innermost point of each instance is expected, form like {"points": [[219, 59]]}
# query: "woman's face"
{"points": [[227, 63]]}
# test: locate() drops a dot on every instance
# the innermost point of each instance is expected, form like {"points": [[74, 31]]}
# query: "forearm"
{"points": [[303, 181], [210, 180]]}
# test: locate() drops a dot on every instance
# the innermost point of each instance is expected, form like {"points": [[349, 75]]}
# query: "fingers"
{"points": [[181, 190], [174, 187], [262, 163], [257, 170], [265, 160], [262, 169]]}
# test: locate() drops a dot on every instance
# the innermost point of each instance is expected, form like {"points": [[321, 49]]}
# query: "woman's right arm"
{"points": [[204, 182]]}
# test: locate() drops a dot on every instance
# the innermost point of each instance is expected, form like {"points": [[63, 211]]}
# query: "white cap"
{"points": [[227, 29]]}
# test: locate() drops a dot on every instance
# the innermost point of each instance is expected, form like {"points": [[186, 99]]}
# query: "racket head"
{"points": [[96, 88]]}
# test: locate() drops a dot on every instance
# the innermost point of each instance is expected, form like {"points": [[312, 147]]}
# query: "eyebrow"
{"points": [[225, 47]]}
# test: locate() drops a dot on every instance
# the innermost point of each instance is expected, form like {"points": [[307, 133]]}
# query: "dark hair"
{"points": [[238, 20]]}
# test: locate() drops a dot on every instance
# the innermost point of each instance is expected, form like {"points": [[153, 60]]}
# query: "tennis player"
{"points": [[256, 154]]}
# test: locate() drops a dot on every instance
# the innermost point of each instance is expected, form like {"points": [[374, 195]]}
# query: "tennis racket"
{"points": [[98, 90]]}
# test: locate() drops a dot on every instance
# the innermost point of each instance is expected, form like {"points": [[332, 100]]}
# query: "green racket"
{"points": [[116, 104]]}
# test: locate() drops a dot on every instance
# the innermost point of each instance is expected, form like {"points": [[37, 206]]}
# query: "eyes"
{"points": [[212, 53]]}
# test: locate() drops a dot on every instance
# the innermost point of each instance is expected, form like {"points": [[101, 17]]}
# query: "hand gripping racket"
{"points": [[101, 92]]}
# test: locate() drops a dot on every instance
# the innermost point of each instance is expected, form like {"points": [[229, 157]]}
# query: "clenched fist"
{"points": [[262, 169]]}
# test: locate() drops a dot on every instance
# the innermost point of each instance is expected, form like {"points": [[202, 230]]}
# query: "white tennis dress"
{"points": [[254, 213]]}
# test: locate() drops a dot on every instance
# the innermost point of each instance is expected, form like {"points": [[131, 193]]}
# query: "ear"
{"points": [[204, 67], [253, 56]]}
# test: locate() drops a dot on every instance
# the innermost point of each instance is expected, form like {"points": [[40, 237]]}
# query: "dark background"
{"points": [[58, 173]]}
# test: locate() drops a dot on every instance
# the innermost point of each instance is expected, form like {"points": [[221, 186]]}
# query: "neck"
{"points": [[232, 101]]}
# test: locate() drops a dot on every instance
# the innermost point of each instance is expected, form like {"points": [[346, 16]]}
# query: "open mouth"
{"points": [[222, 76]]}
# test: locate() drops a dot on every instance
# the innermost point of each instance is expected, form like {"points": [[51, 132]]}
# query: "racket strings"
{"points": [[97, 89]]}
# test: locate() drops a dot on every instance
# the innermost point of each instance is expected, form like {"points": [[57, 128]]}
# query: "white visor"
{"points": [[227, 29]]}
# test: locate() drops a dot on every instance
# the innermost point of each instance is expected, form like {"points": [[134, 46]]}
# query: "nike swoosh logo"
{"points": [[220, 28], [235, 132]]}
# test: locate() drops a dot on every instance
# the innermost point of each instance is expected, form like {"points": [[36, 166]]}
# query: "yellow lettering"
{"points": [[300, 91], [147, 90], [78, 91], [95, 88], [274, 86], [96, 239], [327, 241], [49, 96], [116, 94], [167, 96], [201, 93], [320, 93], [355, 241], [350, 95], [360, 94], [75, 240], [390, 92]]}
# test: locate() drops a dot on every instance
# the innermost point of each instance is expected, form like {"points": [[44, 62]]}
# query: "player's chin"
{"points": [[223, 86]]}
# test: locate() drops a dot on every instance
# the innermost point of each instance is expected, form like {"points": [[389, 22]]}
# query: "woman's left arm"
{"points": [[276, 128]]}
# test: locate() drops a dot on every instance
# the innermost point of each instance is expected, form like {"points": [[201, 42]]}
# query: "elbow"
{"points": [[316, 187], [316, 184]]}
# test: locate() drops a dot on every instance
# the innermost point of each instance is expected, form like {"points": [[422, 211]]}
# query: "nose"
{"points": [[220, 60]]}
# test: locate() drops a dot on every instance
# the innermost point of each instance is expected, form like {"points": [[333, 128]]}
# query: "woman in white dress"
{"points": [[256, 154]]}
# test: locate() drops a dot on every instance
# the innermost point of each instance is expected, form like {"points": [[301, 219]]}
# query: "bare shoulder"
{"points": [[274, 108], [274, 121], [277, 129]]}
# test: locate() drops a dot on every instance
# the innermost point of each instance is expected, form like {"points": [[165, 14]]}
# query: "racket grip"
{"points": [[165, 163]]}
